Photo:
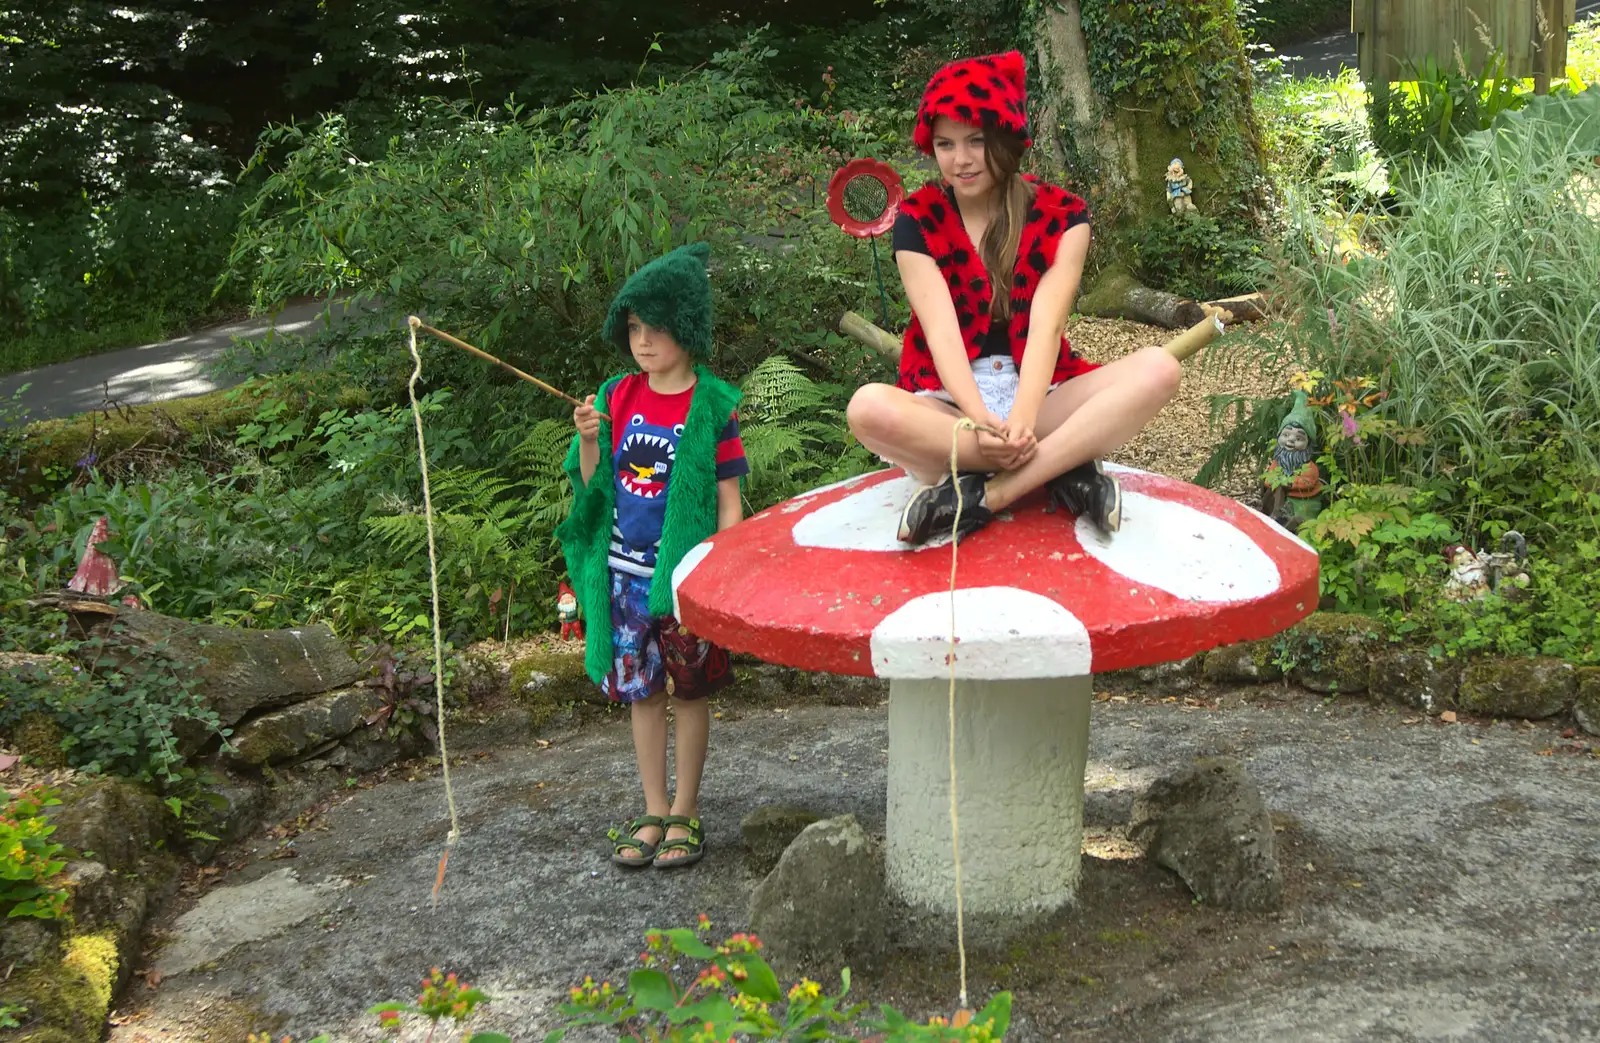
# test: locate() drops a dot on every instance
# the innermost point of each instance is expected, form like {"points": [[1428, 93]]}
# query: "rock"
{"points": [[1248, 662], [1414, 679], [364, 750], [822, 908], [1179, 675], [240, 671], [25, 941], [119, 823], [228, 917], [1587, 706], [1329, 650], [769, 830], [1208, 824], [1533, 688], [286, 734]]}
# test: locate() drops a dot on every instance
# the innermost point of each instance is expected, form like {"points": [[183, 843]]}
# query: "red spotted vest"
{"points": [[968, 280]]}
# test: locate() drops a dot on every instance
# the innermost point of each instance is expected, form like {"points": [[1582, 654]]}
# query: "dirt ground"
{"points": [[1181, 437], [1442, 880]]}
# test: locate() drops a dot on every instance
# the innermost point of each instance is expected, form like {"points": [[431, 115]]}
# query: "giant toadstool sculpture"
{"points": [[1042, 603]]}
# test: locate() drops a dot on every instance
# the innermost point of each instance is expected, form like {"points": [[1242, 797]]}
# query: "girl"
{"points": [[991, 260]]}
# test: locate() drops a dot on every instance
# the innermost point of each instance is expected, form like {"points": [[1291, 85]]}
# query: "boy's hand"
{"points": [[587, 420]]}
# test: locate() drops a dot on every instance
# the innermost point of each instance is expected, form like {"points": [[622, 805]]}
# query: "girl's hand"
{"points": [[587, 420], [1010, 448]]}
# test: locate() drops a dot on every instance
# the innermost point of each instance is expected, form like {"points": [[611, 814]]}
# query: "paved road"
{"points": [[1326, 56], [154, 372]]}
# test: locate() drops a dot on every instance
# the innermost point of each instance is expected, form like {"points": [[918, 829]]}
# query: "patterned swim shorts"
{"points": [[654, 655]]}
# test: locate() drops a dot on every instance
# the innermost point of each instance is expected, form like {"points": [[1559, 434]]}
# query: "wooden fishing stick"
{"points": [[464, 346]]}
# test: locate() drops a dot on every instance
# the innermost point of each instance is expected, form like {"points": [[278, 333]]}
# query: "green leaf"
{"points": [[687, 942], [997, 1014], [760, 982], [715, 1009], [486, 1037], [652, 990]]}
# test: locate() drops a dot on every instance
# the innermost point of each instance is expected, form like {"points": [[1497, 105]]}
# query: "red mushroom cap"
{"points": [[97, 573], [820, 583]]}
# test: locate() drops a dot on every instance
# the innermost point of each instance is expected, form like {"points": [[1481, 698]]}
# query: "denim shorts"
{"points": [[652, 654], [997, 379]]}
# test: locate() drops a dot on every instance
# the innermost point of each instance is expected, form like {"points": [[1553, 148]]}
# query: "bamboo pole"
{"points": [[508, 367], [1182, 347]]}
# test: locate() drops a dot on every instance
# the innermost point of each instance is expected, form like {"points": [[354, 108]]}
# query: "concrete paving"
{"points": [[1442, 883], [169, 369]]}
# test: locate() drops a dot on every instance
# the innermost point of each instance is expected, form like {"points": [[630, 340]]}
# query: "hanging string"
{"points": [[438, 635], [963, 1014]]}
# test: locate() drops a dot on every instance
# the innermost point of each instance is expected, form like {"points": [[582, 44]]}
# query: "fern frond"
{"points": [[777, 389]]}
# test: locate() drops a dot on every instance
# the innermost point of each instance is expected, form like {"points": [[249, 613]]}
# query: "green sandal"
{"points": [[622, 838], [694, 844]]}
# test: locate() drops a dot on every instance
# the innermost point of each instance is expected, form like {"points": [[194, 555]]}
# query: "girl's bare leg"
{"points": [[1087, 418], [912, 431]]}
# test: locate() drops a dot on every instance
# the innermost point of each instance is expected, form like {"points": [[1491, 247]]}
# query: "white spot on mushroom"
{"points": [[867, 520], [1183, 551], [1279, 528], [803, 501], [1002, 633], [687, 564], [1123, 469]]}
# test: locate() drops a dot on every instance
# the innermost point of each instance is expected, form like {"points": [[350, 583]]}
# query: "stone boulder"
{"points": [[1330, 652], [1415, 680], [240, 671], [286, 734], [1248, 662], [769, 830], [822, 908], [1532, 688], [1209, 824], [1587, 706]]}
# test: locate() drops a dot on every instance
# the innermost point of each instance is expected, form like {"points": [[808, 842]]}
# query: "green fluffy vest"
{"points": [[691, 515]]}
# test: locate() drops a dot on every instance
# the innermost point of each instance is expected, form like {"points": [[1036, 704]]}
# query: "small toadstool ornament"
{"points": [[1043, 602], [567, 613], [1180, 188], [97, 573]]}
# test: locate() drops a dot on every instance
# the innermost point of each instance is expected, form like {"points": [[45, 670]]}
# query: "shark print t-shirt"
{"points": [[645, 430]]}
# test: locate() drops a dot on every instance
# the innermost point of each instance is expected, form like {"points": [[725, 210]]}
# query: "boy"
{"points": [[675, 460]]}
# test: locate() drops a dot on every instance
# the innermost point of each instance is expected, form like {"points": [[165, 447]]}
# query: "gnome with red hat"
{"points": [[991, 260], [567, 612]]}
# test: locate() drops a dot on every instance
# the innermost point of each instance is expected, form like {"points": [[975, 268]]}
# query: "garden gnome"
{"points": [[1468, 580], [1180, 187], [1291, 503], [567, 612]]}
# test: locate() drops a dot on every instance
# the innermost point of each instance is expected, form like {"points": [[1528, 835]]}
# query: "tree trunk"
{"points": [[1128, 87]]}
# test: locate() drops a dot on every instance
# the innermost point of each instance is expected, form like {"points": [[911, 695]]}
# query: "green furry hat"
{"points": [[671, 293]]}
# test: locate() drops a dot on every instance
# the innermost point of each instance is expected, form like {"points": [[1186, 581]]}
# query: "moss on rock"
{"points": [[1330, 651], [67, 1001], [1533, 688], [1247, 662], [1414, 679]]}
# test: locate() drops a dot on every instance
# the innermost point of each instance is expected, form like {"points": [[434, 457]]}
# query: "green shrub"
{"points": [[28, 861]]}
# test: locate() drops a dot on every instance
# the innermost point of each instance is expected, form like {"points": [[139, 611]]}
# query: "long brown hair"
{"points": [[1002, 154]]}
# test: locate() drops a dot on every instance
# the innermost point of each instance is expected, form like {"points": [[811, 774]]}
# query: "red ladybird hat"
{"points": [[987, 91]]}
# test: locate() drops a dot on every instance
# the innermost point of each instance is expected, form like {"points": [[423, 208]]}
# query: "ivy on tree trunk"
{"points": [[1127, 86]]}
